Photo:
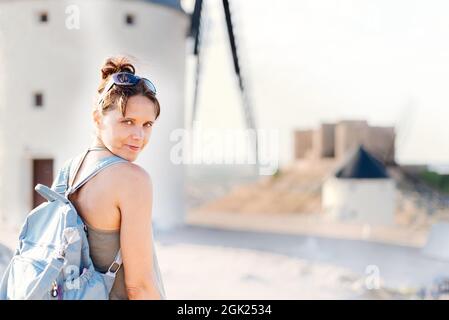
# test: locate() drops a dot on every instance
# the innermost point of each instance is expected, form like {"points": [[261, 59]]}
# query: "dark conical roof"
{"points": [[362, 165]]}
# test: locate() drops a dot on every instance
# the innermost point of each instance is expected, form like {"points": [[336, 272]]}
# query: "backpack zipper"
{"points": [[54, 289]]}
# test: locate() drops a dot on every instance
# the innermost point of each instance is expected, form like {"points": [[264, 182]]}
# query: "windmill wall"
{"points": [[63, 64]]}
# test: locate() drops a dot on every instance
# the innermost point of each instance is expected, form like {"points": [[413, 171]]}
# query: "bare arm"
{"points": [[135, 199]]}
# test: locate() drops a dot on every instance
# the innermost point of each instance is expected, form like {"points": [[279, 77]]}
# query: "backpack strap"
{"points": [[78, 160], [61, 181], [100, 165]]}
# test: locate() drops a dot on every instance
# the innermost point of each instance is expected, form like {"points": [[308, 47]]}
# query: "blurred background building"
{"points": [[335, 140], [360, 191]]}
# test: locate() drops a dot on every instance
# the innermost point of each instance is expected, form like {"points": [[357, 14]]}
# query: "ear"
{"points": [[96, 115]]}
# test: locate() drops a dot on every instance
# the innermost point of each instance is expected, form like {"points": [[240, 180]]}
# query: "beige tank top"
{"points": [[104, 245]]}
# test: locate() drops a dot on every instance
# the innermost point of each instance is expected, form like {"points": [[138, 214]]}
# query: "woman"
{"points": [[116, 204]]}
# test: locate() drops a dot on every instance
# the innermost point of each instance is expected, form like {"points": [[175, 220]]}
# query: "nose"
{"points": [[138, 134]]}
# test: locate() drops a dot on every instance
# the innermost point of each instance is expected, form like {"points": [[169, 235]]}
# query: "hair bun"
{"points": [[116, 64]]}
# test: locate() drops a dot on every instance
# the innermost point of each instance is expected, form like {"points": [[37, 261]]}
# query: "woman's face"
{"points": [[127, 136]]}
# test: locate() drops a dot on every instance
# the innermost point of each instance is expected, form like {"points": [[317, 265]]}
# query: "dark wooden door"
{"points": [[42, 173]]}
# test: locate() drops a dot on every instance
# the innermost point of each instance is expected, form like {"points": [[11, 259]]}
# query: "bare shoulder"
{"points": [[132, 185], [130, 170], [130, 175]]}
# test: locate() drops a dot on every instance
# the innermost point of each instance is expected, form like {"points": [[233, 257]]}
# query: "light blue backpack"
{"points": [[52, 260]]}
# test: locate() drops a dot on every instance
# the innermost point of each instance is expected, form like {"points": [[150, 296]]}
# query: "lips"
{"points": [[133, 148]]}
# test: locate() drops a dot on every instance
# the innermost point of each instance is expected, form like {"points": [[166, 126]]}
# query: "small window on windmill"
{"points": [[43, 17], [130, 19], [38, 99]]}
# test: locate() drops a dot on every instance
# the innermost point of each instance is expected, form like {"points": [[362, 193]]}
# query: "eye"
{"points": [[149, 124], [127, 122]]}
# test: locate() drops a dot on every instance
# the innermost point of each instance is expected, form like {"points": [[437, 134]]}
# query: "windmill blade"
{"points": [[196, 89], [195, 31], [247, 109], [195, 24]]}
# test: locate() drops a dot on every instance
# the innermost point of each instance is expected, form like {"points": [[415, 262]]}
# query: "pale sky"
{"points": [[309, 61]]}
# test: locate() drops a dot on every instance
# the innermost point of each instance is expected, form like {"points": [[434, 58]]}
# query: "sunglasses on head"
{"points": [[125, 79]]}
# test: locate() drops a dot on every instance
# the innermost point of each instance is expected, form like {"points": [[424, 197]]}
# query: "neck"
{"points": [[97, 143]]}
